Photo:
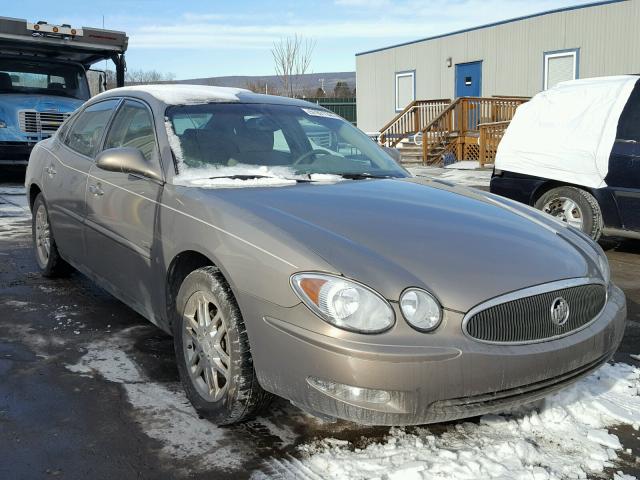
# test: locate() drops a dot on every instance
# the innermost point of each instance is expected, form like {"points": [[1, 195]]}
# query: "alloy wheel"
{"points": [[206, 348], [43, 234], [566, 210]]}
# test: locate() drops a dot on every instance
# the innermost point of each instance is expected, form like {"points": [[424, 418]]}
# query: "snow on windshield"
{"points": [[269, 140], [242, 175]]}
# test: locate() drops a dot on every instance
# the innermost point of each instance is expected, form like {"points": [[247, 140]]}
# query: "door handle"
{"points": [[50, 171], [96, 190]]}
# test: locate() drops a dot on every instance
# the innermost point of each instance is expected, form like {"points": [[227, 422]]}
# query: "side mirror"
{"points": [[126, 160]]}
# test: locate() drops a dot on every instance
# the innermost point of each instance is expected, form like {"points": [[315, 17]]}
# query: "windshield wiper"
{"points": [[253, 177], [241, 177], [363, 175]]}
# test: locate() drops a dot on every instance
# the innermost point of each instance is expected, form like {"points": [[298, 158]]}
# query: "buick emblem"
{"points": [[559, 311]]}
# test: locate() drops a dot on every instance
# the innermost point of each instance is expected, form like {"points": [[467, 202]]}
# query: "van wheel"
{"points": [[47, 256], [212, 350], [575, 206]]}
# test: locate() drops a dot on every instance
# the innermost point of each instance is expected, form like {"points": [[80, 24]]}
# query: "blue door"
{"points": [[469, 79]]}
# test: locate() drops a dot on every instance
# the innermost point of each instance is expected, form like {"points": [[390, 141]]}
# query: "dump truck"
{"points": [[44, 77]]}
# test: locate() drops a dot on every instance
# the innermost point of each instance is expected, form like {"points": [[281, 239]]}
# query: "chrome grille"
{"points": [[528, 319], [40, 122]]}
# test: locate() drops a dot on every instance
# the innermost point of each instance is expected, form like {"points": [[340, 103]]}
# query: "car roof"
{"points": [[185, 94]]}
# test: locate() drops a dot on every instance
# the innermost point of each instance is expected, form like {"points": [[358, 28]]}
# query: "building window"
{"points": [[405, 89], [560, 66]]}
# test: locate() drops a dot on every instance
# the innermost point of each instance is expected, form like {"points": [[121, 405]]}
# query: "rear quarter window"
{"points": [[629, 123]]}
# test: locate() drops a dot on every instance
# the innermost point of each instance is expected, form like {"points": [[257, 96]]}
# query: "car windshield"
{"points": [[38, 77], [232, 139]]}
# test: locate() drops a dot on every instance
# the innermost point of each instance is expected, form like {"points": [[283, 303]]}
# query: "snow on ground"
{"points": [[467, 165], [15, 216], [164, 413], [567, 438]]}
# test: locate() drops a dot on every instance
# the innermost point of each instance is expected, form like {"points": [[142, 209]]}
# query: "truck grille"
{"points": [[529, 319], [40, 122]]}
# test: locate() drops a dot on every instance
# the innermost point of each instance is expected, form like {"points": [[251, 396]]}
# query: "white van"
{"points": [[573, 151]]}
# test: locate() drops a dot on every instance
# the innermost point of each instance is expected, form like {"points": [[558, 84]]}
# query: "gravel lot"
{"points": [[89, 389]]}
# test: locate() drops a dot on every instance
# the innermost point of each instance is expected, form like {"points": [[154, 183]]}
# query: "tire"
{"points": [[48, 258], [215, 364], [575, 206]]}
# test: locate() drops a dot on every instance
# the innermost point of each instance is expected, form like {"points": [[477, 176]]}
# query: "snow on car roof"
{"points": [[182, 94]]}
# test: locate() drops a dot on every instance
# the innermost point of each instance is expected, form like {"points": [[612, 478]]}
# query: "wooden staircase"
{"points": [[428, 132]]}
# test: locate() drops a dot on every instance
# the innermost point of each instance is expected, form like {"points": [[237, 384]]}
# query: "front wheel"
{"points": [[575, 206], [212, 350], [47, 256]]}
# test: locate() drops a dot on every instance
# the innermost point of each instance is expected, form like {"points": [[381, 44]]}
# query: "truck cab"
{"points": [[44, 79]]}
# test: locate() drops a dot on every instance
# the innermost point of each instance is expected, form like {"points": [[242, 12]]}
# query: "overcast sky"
{"points": [[202, 38]]}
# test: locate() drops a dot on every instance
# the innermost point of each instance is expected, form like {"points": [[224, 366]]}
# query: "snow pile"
{"points": [[174, 144], [466, 165], [566, 439]]}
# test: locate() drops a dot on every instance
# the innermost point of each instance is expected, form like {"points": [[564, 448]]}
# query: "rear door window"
{"points": [[86, 132]]}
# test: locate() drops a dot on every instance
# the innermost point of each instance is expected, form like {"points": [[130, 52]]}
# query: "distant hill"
{"points": [[308, 82]]}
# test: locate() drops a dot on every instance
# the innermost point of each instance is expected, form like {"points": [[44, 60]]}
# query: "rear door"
{"points": [[624, 163], [121, 212], [65, 176]]}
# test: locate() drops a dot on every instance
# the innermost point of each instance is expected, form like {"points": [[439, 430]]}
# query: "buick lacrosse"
{"points": [[288, 254]]}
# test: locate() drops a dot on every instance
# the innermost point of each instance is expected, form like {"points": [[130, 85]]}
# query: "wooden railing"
{"points": [[490, 136], [459, 124], [414, 118]]}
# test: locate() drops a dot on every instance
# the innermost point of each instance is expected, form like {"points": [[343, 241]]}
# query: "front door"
{"points": [[121, 213], [469, 79]]}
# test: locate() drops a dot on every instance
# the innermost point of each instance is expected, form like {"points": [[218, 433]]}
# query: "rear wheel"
{"points": [[212, 350], [47, 256], [575, 206]]}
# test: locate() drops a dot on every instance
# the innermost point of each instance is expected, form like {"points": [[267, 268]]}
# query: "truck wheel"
{"points": [[575, 206], [47, 256], [212, 350]]}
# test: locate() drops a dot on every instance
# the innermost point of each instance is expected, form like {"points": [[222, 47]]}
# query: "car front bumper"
{"points": [[430, 377]]}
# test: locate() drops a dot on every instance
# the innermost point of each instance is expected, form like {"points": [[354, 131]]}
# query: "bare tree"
{"points": [[141, 77], [292, 57], [258, 86]]}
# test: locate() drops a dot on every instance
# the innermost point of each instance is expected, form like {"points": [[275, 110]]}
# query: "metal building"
{"points": [[517, 57]]}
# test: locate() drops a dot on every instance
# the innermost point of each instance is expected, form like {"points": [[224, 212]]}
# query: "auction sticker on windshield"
{"points": [[320, 113]]}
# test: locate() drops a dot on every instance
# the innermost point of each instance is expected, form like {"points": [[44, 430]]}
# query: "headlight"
{"points": [[343, 303], [420, 309], [3, 124], [603, 265]]}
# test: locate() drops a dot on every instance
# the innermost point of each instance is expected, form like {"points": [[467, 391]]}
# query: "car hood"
{"points": [[462, 245]]}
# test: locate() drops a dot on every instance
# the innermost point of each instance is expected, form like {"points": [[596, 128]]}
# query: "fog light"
{"points": [[3, 124], [349, 393]]}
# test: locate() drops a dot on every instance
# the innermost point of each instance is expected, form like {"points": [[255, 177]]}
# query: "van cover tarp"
{"points": [[566, 133]]}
